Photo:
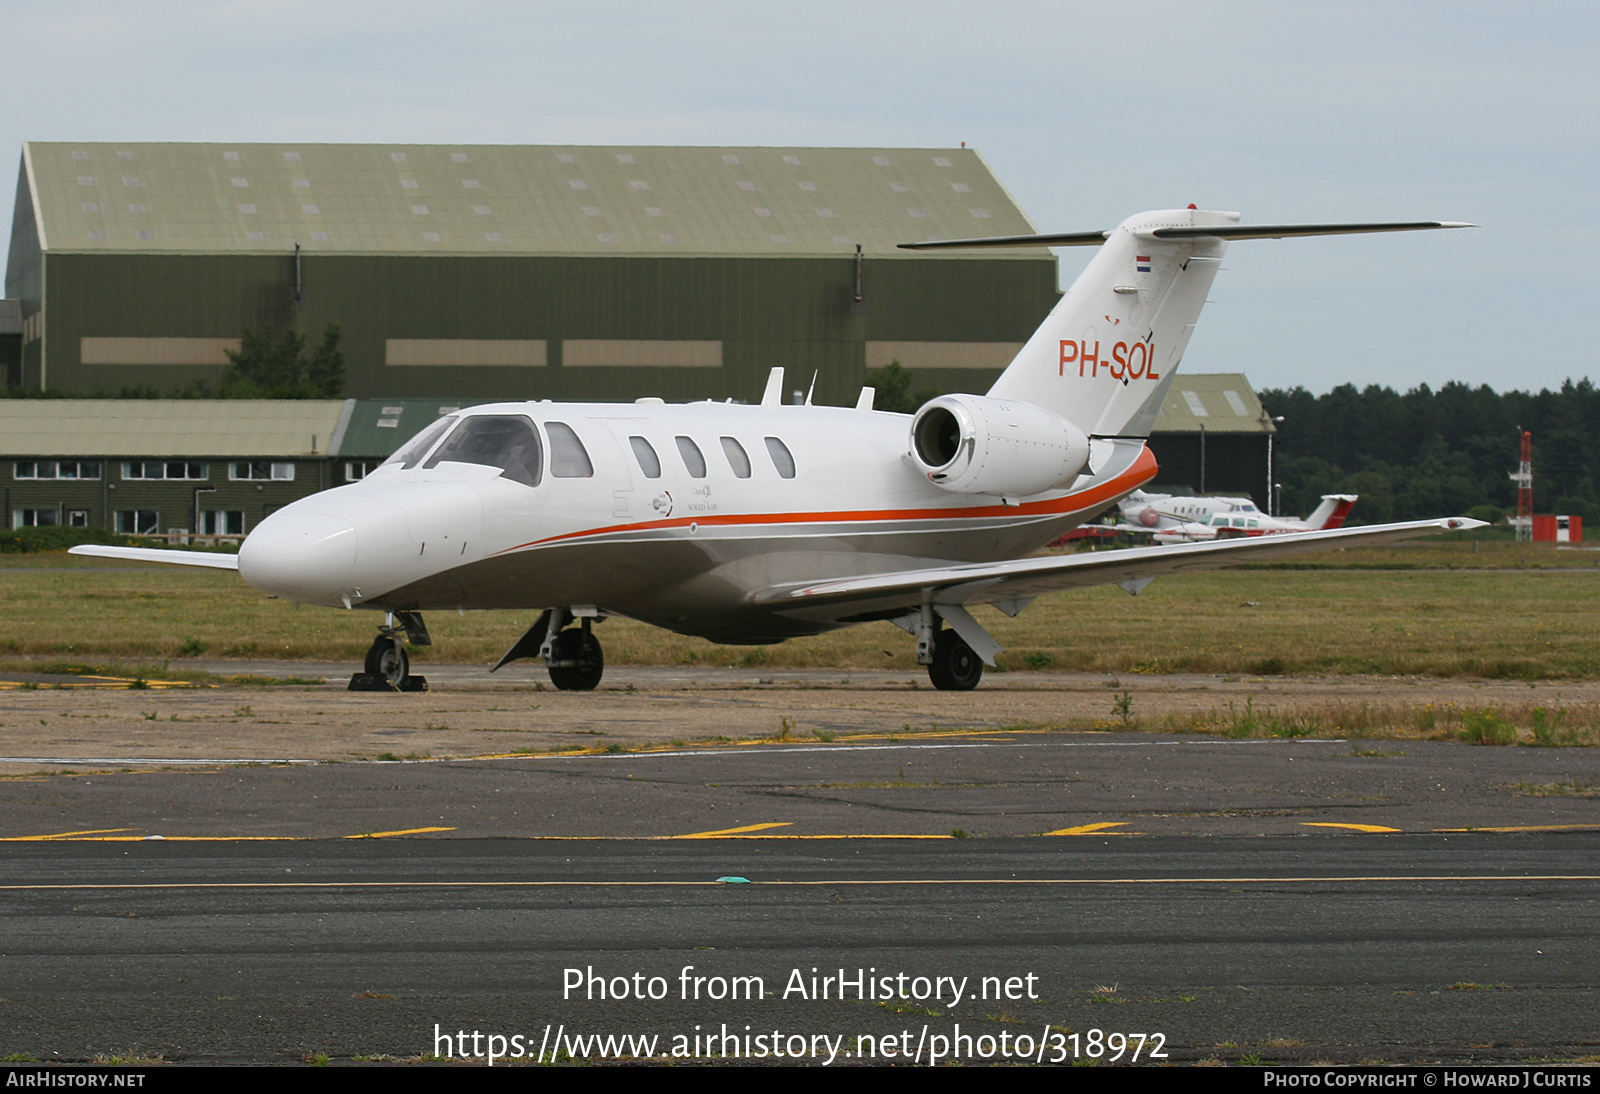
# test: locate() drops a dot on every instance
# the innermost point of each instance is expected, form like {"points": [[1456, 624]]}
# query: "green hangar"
{"points": [[490, 272]]}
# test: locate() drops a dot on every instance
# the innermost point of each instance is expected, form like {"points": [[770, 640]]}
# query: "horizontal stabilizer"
{"points": [[1233, 231], [1284, 231], [205, 559]]}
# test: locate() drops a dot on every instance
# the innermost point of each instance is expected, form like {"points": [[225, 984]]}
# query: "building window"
{"points": [[222, 522], [57, 469], [261, 471], [77, 518], [138, 522], [356, 470], [35, 518], [163, 469]]}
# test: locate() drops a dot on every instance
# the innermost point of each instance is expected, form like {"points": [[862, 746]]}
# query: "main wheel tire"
{"points": [[955, 666], [589, 665], [387, 658]]}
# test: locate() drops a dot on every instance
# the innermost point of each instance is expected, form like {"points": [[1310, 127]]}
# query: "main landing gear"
{"points": [[387, 667], [572, 655], [955, 667], [955, 657]]}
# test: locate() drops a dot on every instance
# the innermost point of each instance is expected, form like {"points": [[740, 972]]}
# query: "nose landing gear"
{"points": [[387, 667]]}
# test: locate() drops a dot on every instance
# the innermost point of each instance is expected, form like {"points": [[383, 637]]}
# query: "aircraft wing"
{"points": [[207, 559], [1025, 578]]}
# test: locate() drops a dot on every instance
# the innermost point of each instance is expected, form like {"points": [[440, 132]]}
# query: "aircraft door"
{"points": [[642, 490]]}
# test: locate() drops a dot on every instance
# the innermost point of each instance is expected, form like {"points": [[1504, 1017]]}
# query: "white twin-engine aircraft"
{"points": [[1168, 519], [754, 524]]}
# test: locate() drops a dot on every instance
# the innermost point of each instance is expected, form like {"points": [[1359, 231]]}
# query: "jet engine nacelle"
{"points": [[971, 444]]}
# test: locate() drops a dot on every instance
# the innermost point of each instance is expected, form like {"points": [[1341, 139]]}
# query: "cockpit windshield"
{"points": [[417, 447], [506, 441]]}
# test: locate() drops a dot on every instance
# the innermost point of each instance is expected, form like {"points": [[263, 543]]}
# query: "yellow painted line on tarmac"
{"points": [[1528, 828], [186, 839], [1352, 827], [1087, 829], [62, 835], [883, 883], [733, 831], [399, 832]]}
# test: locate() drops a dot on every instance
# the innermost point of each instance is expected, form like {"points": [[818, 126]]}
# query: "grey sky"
{"points": [[1287, 112]]}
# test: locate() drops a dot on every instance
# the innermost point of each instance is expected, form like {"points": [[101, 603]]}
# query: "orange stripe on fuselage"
{"points": [[1141, 471]]}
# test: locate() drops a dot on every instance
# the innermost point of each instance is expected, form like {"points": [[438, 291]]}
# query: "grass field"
{"points": [[1441, 609]]}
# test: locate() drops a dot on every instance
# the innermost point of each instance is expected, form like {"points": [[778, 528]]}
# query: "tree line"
{"points": [[1428, 453]]}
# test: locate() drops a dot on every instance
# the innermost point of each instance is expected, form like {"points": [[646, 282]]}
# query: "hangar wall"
{"points": [[797, 313]]}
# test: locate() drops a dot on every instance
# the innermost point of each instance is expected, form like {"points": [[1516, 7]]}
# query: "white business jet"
{"points": [[754, 524]]}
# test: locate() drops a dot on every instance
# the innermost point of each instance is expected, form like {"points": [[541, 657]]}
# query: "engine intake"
{"points": [[971, 444]]}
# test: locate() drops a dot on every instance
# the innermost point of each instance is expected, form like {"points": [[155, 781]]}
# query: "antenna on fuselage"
{"points": [[812, 389]]}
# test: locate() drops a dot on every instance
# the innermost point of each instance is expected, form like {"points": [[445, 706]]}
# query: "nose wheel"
{"points": [[387, 658], [387, 667]]}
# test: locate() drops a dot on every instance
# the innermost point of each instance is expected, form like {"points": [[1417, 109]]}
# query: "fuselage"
{"points": [[672, 514]]}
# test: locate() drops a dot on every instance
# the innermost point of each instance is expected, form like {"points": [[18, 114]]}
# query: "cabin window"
{"points": [[692, 459], [506, 441], [411, 453], [649, 462], [782, 458], [568, 458], [738, 459]]}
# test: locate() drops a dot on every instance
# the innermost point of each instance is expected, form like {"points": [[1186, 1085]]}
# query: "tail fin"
{"points": [[1105, 356], [1107, 353], [1331, 513]]}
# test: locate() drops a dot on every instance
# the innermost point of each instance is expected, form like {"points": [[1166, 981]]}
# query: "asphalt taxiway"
{"points": [[1291, 900]]}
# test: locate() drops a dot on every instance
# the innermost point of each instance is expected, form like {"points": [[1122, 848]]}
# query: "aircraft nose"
{"points": [[300, 556]]}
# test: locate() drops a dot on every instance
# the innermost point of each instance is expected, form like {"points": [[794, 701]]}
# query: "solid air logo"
{"points": [[1127, 361], [1143, 263]]}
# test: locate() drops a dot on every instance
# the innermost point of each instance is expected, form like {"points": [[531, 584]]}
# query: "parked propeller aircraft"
{"points": [[754, 524], [1169, 519]]}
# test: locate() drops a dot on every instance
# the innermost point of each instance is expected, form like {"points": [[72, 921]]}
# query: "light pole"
{"points": [[1271, 424]]}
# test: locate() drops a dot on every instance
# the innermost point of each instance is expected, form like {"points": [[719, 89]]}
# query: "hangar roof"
{"points": [[511, 199], [168, 428], [1222, 402]]}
